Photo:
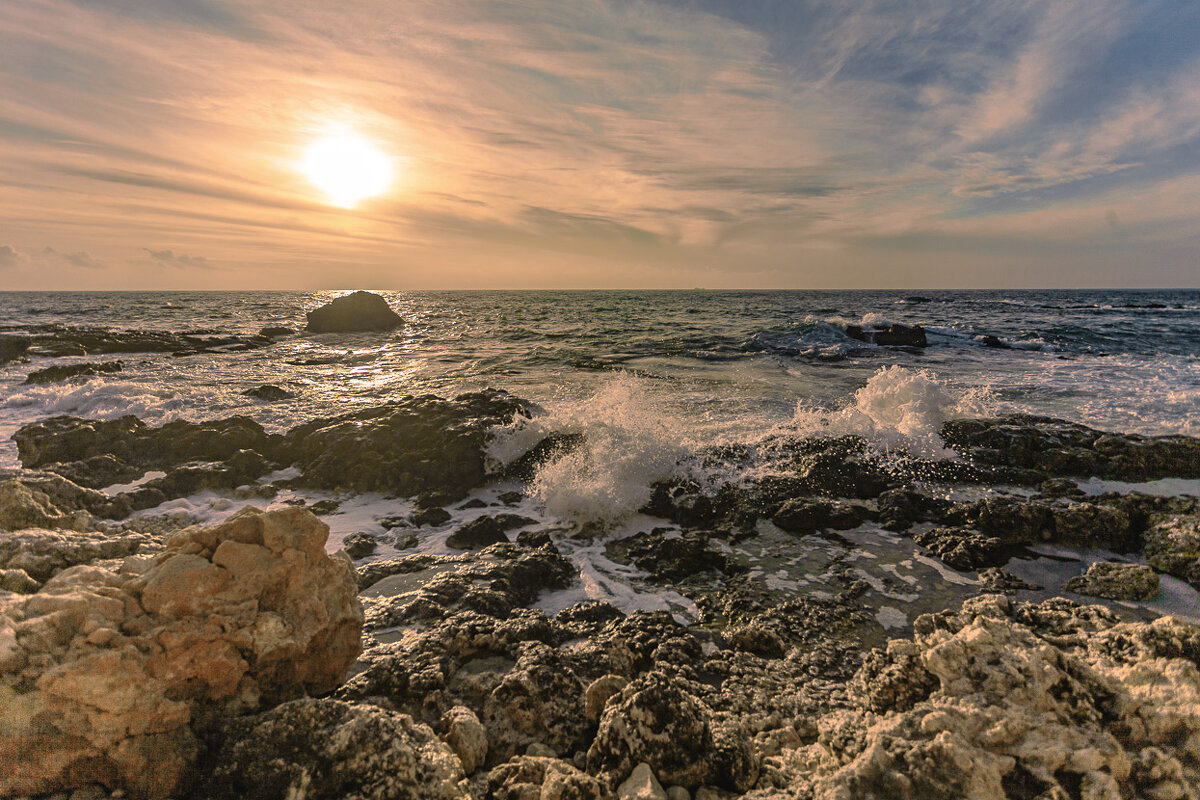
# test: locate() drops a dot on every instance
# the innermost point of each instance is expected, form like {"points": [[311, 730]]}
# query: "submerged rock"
{"points": [[1114, 581], [63, 372], [106, 670], [359, 311]]}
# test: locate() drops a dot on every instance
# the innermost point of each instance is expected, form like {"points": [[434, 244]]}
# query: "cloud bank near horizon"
{"points": [[785, 143]]}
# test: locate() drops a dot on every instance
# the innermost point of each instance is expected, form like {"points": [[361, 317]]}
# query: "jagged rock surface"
{"points": [[105, 671]]}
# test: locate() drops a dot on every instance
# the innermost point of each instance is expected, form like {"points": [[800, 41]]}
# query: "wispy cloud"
{"points": [[769, 139]]}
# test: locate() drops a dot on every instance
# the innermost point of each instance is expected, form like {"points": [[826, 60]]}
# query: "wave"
{"points": [[899, 411]]}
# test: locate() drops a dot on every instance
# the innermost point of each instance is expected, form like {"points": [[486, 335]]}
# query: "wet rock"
{"points": [[359, 545], [275, 331], [540, 700], [803, 515], [656, 722], [965, 549], [325, 507], [106, 669], [528, 777], [641, 785], [465, 735], [408, 447], [893, 335], [132, 442], [13, 347], [484, 531], [358, 311], [61, 340], [899, 509], [1055, 447], [1060, 487], [430, 517], [326, 749], [550, 448], [1173, 546], [1115, 581], [671, 558], [510, 498], [1091, 525], [588, 617], [61, 373], [269, 393]]}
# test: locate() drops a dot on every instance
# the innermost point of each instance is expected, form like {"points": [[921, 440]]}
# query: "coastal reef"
{"points": [[145, 656]]}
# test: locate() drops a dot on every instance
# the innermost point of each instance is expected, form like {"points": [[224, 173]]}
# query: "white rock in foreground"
{"points": [[104, 671]]}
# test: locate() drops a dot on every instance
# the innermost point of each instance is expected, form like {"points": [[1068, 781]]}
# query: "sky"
{"points": [[159, 144]]}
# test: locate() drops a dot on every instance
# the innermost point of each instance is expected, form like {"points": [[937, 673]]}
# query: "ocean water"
{"points": [[653, 378]]}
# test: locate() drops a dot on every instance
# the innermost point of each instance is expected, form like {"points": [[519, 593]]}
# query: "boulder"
{"points": [[107, 672], [13, 347], [527, 777], [327, 750], [464, 733], [22, 506], [1115, 581], [359, 311]]}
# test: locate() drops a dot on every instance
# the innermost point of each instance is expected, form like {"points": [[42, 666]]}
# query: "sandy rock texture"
{"points": [[108, 671]]}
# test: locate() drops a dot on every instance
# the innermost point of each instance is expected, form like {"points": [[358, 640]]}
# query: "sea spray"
{"points": [[899, 411], [629, 442]]}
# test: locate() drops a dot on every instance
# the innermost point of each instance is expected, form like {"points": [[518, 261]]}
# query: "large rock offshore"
{"points": [[107, 674], [358, 311]]}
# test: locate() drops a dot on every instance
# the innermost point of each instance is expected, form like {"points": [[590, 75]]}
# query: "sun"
{"points": [[347, 167]]}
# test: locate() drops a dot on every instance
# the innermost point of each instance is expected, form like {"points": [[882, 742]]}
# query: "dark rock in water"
{"points": [[328, 749], [407, 447], [965, 549], [270, 393], [359, 311], [62, 440], [1114, 581], [1059, 487], [13, 348], [485, 531], [430, 516], [802, 515], [671, 559], [894, 335], [322, 507], [1173, 546], [995, 341], [554, 446], [275, 331], [998, 580], [510, 498], [60, 340], [587, 617], [1058, 448], [359, 545], [61, 373], [899, 509]]}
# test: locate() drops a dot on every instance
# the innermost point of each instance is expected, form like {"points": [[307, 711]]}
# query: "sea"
{"points": [[652, 378]]}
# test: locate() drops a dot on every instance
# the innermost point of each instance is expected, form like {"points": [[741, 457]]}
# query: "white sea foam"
{"points": [[900, 410], [630, 441]]}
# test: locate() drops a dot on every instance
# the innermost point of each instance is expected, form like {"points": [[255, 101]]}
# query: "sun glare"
{"points": [[347, 168]]}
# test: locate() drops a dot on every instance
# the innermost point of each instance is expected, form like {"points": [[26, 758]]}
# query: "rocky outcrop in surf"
{"points": [[67, 371], [111, 670], [355, 312]]}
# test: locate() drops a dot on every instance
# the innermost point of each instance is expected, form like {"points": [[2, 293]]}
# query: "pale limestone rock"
{"points": [[678, 793], [641, 785], [103, 671], [530, 778], [465, 735], [24, 507], [598, 692]]}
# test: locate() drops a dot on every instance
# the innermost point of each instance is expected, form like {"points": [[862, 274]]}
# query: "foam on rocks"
{"points": [[110, 673]]}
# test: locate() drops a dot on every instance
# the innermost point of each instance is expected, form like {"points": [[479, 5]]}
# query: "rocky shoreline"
{"points": [[144, 655]]}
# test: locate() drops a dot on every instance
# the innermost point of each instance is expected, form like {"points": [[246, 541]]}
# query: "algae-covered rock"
{"points": [[1173, 546]]}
